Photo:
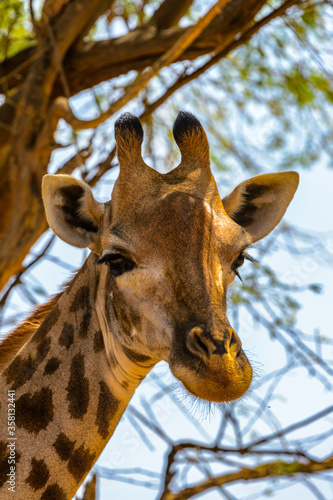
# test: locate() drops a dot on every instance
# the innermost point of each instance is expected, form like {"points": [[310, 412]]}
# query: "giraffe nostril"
{"points": [[234, 345], [198, 345], [202, 346]]}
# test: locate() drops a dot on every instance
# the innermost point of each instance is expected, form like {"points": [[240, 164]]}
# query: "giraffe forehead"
{"points": [[173, 223]]}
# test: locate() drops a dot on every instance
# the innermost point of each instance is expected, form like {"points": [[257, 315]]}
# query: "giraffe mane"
{"points": [[12, 343]]}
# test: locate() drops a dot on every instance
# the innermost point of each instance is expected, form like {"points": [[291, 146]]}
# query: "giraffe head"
{"points": [[168, 249]]}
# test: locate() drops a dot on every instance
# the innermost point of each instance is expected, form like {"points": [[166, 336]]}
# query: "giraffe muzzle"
{"points": [[204, 345], [213, 366]]}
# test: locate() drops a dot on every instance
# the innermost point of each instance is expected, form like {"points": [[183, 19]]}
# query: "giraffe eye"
{"points": [[238, 262], [117, 263]]}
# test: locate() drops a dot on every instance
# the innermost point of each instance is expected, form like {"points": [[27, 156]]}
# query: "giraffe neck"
{"points": [[70, 392]]}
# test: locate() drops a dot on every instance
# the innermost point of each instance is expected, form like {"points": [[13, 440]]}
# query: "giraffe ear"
{"points": [[71, 210], [259, 204]]}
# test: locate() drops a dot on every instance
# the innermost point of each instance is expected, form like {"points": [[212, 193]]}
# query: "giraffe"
{"points": [[163, 251]]}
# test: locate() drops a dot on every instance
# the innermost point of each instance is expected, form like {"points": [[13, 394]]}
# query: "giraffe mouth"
{"points": [[222, 378], [209, 389]]}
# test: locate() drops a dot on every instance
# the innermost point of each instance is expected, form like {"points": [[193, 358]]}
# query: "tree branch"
{"points": [[94, 62], [262, 471], [169, 14], [61, 108]]}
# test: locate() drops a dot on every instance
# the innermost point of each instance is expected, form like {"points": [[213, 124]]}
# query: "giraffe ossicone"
{"points": [[163, 251]]}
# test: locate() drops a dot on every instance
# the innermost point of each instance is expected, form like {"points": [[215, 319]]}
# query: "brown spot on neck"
{"points": [[81, 302], [81, 462], [78, 388], [107, 407], [66, 337], [98, 341], [63, 446], [81, 299], [47, 325], [84, 325], [39, 474], [34, 412], [54, 492], [51, 366]]}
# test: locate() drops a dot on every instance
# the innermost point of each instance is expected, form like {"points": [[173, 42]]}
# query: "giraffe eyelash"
{"points": [[238, 275], [240, 261], [249, 257]]}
